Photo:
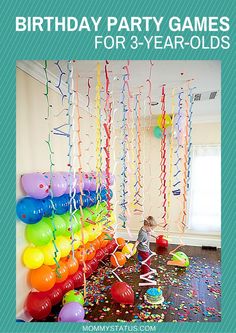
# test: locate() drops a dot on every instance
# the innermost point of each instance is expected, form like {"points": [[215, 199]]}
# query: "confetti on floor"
{"points": [[191, 294]]}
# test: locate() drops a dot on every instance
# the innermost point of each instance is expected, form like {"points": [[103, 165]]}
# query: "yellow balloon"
{"points": [[92, 231], [128, 249], [77, 241], [168, 121], [64, 245], [49, 254], [85, 235], [33, 257]]}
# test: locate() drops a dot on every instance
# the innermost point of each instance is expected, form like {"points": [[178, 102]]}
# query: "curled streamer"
{"points": [[98, 134], [185, 165], [47, 88], [177, 182], [163, 158], [107, 127], [190, 135], [72, 189], [171, 157], [138, 206], [58, 85]]}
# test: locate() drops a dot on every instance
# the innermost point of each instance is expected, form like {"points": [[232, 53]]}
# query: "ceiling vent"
{"points": [[205, 96]]}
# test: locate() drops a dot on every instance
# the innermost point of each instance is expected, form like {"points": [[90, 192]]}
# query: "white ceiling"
{"points": [[205, 76]]}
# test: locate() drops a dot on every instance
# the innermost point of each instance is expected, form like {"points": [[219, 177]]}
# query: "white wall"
{"points": [[32, 155]]}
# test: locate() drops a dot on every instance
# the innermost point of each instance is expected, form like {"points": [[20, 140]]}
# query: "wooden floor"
{"points": [[191, 294]]}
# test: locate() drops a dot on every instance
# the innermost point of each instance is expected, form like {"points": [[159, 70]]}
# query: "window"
{"points": [[205, 191]]}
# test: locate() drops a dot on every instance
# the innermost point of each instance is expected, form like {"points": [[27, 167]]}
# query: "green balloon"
{"points": [[59, 223], [39, 234], [73, 296], [70, 222], [87, 214], [157, 132], [181, 256]]}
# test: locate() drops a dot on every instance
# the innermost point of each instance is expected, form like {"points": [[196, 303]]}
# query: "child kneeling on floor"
{"points": [[143, 243]]}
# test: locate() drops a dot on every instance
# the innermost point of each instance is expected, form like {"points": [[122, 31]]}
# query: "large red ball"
{"points": [[161, 241], [38, 305], [122, 293]]}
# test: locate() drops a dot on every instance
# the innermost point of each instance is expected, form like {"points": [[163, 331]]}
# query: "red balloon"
{"points": [[78, 278], [106, 252], [161, 241], [88, 270], [111, 246], [38, 305], [100, 254], [66, 285], [94, 264], [55, 294], [122, 293]]}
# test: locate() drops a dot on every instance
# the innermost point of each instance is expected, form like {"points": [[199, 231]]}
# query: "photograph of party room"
{"points": [[118, 191]]}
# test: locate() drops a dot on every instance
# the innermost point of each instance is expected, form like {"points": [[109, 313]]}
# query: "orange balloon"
{"points": [[96, 243], [102, 239], [72, 265], [79, 254], [42, 278], [62, 272], [90, 251], [121, 242], [118, 257]]}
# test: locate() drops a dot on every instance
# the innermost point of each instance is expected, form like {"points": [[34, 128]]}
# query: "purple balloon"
{"points": [[70, 179], [86, 181], [104, 176], [78, 186], [71, 312], [35, 185], [93, 184], [84, 321], [59, 184]]}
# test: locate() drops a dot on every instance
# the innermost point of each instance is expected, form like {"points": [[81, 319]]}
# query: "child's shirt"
{"points": [[144, 240]]}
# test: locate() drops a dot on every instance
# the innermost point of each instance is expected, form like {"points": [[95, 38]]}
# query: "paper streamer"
{"points": [[107, 127], [58, 85], [171, 158], [98, 134], [185, 165], [138, 185], [163, 175], [190, 135], [123, 183], [177, 183], [47, 88], [71, 133]]}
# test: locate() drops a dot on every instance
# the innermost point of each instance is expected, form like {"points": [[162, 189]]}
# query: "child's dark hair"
{"points": [[150, 221]]}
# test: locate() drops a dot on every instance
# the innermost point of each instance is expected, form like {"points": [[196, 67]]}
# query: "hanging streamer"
{"points": [[171, 158], [107, 127], [47, 88], [163, 174], [176, 191], [98, 134], [138, 185], [190, 134], [185, 164], [58, 85], [71, 139], [52, 217]]}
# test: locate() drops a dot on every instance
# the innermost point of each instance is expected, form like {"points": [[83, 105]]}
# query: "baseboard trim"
{"points": [[188, 239]]}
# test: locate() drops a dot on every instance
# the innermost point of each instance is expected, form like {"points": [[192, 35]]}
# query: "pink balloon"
{"points": [[59, 184], [35, 185]]}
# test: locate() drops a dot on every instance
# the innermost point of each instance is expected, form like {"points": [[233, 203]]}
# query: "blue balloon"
{"points": [[61, 204], [104, 194], [47, 206], [77, 200], [29, 210], [85, 200]]}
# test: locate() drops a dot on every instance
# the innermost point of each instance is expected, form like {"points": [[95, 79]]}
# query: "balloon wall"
{"points": [[53, 268]]}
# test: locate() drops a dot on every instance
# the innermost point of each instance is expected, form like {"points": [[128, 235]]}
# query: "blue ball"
{"points": [[29, 210]]}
